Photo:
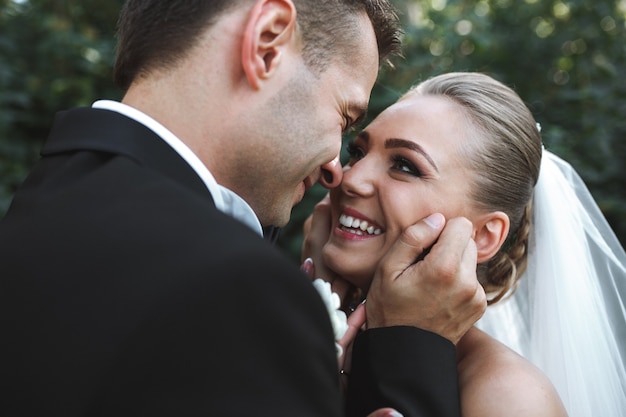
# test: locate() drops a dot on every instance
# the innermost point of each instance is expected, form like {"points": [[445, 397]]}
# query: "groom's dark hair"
{"points": [[155, 34]]}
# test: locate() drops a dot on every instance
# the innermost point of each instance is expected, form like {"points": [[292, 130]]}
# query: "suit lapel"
{"points": [[86, 129]]}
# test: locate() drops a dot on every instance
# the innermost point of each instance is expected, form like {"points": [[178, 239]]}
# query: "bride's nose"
{"points": [[331, 173], [359, 180]]}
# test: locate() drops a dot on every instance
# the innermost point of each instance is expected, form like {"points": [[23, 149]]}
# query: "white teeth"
{"points": [[345, 220], [358, 226]]}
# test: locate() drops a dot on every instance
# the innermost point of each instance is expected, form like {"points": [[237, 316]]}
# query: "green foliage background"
{"points": [[567, 59], [54, 55]]}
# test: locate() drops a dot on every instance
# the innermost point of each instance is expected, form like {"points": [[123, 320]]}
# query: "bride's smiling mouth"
{"points": [[352, 222]]}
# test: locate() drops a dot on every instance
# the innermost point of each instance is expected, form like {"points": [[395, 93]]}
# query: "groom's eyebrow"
{"points": [[403, 143]]}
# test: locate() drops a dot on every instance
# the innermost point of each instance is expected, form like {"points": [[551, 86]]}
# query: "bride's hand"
{"points": [[316, 230], [355, 319], [356, 322]]}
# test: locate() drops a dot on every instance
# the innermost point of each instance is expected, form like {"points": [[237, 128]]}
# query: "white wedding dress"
{"points": [[568, 315]]}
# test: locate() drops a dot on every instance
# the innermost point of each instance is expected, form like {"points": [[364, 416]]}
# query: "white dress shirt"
{"points": [[225, 200]]}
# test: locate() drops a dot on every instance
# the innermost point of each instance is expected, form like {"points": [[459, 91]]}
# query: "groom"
{"points": [[134, 277]]}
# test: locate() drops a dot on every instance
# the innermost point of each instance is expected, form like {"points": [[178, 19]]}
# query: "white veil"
{"points": [[568, 315]]}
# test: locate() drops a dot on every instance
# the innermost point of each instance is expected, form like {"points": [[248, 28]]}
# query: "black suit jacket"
{"points": [[124, 291]]}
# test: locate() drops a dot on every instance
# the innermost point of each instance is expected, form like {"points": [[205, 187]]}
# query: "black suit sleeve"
{"points": [[411, 370]]}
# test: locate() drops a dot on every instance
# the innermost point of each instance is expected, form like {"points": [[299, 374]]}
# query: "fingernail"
{"points": [[394, 413], [435, 220], [307, 267]]}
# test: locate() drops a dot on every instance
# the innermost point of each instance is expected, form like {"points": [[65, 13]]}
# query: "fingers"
{"points": [[338, 285], [428, 280], [306, 226], [454, 263], [356, 321], [385, 297], [412, 244], [308, 268], [477, 299], [316, 229], [454, 250], [316, 232], [385, 412]]}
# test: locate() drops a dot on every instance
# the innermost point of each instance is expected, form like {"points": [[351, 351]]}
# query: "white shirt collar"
{"points": [[225, 200]]}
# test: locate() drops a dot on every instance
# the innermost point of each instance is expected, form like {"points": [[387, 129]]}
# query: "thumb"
{"points": [[412, 246]]}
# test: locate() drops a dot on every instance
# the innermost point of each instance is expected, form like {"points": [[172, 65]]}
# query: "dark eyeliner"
{"points": [[400, 161], [352, 148], [354, 152]]}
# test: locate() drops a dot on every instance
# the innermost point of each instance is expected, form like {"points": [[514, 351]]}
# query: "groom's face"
{"points": [[302, 126]]}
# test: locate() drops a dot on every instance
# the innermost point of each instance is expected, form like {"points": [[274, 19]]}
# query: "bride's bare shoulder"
{"points": [[496, 381]]}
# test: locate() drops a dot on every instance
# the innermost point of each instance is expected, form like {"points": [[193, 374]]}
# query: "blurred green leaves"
{"points": [[53, 55], [567, 59]]}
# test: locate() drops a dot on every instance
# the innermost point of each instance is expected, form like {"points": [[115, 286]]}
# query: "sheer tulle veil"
{"points": [[568, 315]]}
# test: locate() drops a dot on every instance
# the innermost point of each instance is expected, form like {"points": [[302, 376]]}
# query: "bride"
{"points": [[463, 144]]}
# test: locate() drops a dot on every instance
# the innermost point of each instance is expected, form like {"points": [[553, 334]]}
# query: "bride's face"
{"points": [[407, 164]]}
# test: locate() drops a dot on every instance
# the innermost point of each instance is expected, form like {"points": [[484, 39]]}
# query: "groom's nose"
{"points": [[332, 173]]}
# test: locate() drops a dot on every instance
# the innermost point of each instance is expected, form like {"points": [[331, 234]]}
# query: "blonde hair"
{"points": [[505, 155]]}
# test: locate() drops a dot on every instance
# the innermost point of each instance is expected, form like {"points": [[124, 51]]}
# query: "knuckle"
{"points": [[384, 268], [463, 293], [481, 298], [448, 271]]}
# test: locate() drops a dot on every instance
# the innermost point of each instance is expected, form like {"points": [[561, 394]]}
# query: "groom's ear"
{"points": [[491, 232], [269, 32]]}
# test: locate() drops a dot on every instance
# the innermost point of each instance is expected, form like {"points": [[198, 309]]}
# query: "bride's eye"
{"points": [[355, 153], [402, 164]]}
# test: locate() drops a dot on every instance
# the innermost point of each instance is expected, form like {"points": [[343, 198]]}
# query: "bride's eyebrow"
{"points": [[403, 143]]}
